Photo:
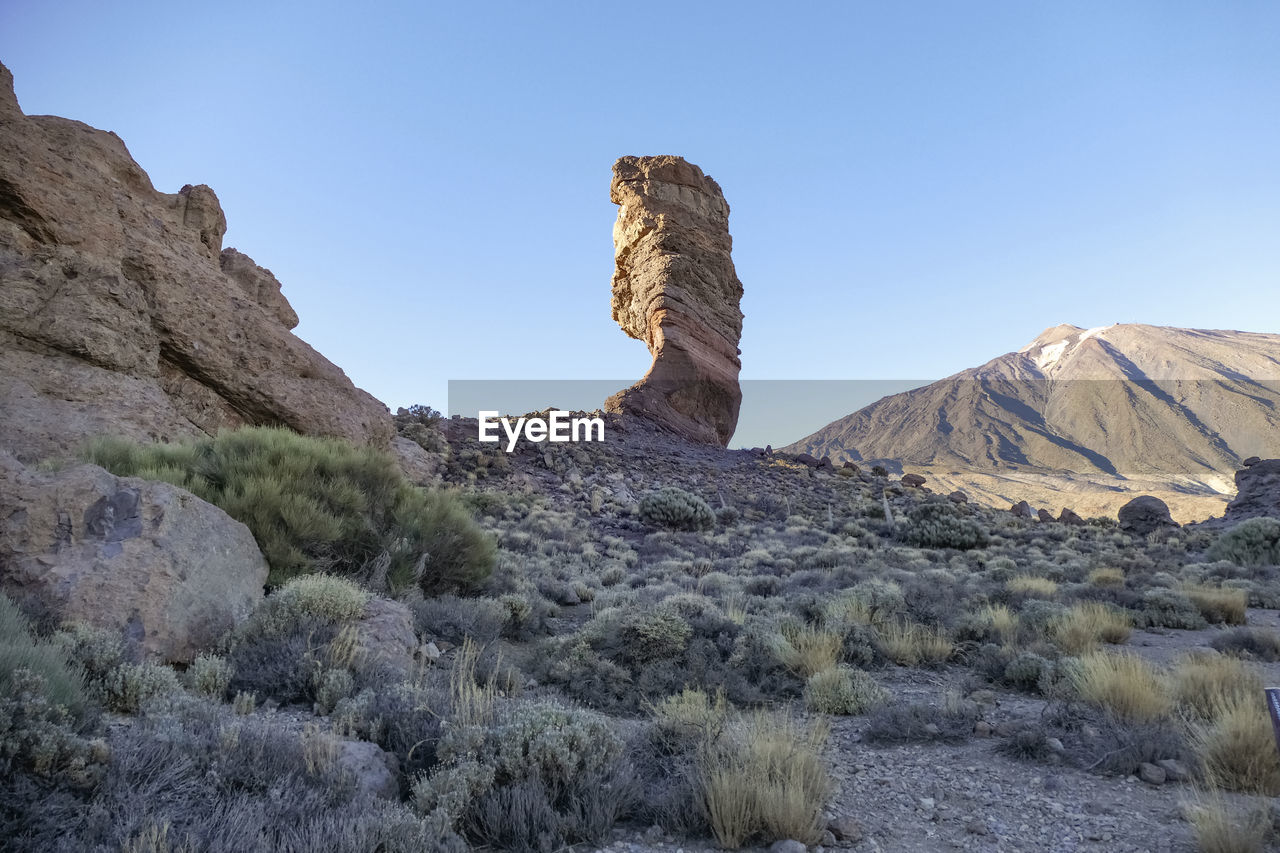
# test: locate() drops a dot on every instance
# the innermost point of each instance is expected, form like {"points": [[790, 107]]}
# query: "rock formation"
{"points": [[674, 287], [170, 572], [1257, 491], [120, 312]]}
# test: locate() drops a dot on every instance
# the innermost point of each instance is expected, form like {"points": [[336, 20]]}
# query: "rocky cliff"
{"points": [[120, 311], [675, 288]]}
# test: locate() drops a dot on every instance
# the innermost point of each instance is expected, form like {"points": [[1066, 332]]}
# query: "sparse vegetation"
{"points": [[1252, 542]]}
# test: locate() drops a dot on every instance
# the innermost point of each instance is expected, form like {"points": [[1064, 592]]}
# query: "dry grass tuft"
{"points": [[1218, 605], [1031, 585], [908, 644], [1089, 623], [1003, 621], [807, 650], [1202, 682], [1124, 684], [1108, 578], [1221, 827], [764, 780], [1237, 748]]}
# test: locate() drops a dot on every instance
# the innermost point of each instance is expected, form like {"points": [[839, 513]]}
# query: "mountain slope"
{"points": [[1105, 411]]}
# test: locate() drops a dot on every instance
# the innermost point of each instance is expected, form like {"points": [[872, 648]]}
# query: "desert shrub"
{"points": [[899, 722], [940, 525], [542, 776], [40, 735], [1202, 682], [763, 780], [209, 675], [842, 690], [1095, 739], [1168, 608], [454, 619], [319, 504], [676, 509], [1026, 670], [129, 685], [309, 600], [62, 683], [192, 775], [1252, 542], [686, 718], [879, 600], [1236, 747], [1250, 643], [1122, 683], [1027, 743], [1219, 605], [96, 651]]}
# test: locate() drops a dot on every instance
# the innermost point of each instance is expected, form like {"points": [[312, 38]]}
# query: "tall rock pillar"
{"points": [[675, 288]]}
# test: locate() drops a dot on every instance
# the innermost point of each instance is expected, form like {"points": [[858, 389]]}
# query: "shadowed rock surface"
{"points": [[171, 573], [675, 288], [121, 313]]}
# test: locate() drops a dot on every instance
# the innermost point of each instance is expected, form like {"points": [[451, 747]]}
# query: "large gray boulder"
{"points": [[1145, 514], [1257, 491], [171, 573]]}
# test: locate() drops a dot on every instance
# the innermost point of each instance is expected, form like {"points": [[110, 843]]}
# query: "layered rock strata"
{"points": [[675, 288]]}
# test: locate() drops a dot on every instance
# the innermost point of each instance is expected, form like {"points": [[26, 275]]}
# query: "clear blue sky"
{"points": [[916, 187]]}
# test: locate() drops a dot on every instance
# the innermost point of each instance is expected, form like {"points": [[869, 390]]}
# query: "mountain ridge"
{"points": [[1077, 410]]}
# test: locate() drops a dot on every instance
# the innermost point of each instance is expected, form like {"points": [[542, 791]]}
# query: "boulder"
{"points": [[386, 635], [171, 573], [1044, 515], [374, 771], [1145, 514], [1022, 509], [958, 497], [1069, 516], [675, 288], [121, 312], [912, 481]]}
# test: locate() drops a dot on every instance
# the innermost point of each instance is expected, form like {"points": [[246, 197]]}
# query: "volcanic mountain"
{"points": [[1083, 418]]}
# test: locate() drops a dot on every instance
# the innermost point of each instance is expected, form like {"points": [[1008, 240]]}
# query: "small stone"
{"points": [[1055, 745], [982, 728], [430, 652], [788, 846], [977, 827], [1151, 774], [932, 730], [845, 829], [928, 803], [1174, 770]]}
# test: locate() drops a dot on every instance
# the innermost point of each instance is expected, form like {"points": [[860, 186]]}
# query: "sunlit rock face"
{"points": [[675, 288]]}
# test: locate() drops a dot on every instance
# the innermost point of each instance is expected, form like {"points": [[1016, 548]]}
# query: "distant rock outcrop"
{"points": [[675, 288], [120, 312], [169, 572], [1257, 491]]}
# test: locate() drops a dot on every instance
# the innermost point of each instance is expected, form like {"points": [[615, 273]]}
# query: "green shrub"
{"points": [[543, 776], [676, 509], [62, 683], [1252, 542], [303, 601], [129, 685], [209, 675], [940, 525], [319, 504], [843, 690], [39, 735], [1168, 608]]}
